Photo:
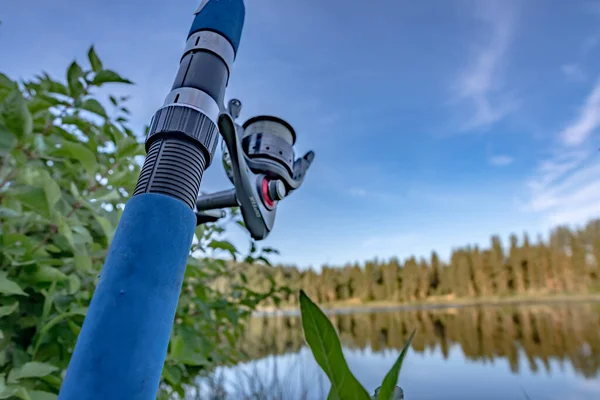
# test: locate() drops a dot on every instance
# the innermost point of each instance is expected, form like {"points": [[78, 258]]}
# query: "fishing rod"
{"points": [[123, 342]]}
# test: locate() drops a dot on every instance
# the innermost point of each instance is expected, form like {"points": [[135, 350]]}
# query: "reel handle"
{"points": [[224, 199], [210, 216]]}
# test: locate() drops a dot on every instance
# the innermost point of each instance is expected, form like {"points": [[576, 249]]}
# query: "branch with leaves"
{"points": [[67, 165]]}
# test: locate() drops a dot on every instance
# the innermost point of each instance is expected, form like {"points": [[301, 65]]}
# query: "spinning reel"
{"points": [[259, 160]]}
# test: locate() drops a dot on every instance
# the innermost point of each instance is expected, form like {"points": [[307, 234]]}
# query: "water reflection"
{"points": [[530, 352], [567, 333]]}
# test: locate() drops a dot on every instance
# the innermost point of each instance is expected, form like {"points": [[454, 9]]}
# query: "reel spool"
{"points": [[259, 159]]}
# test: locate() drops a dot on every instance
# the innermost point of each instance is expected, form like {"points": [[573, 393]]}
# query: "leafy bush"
{"points": [[327, 350], [67, 167]]}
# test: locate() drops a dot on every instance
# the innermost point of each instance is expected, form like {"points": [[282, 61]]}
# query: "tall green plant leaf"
{"points": [[327, 350], [389, 382]]}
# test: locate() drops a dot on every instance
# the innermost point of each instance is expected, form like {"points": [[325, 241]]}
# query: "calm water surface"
{"points": [[520, 352]]}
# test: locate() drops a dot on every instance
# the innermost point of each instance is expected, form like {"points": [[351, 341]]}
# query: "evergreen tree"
{"points": [[358, 289], [390, 271], [481, 279], [516, 280], [498, 266], [435, 274], [410, 279], [568, 262]]}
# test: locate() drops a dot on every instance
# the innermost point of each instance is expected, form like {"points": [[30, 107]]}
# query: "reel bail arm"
{"points": [[258, 158]]}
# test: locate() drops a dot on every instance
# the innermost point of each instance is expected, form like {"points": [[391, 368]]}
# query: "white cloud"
{"points": [[501, 160], [586, 122], [565, 187], [573, 72], [480, 82]]}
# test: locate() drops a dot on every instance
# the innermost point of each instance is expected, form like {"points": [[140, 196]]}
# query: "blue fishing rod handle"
{"points": [[123, 342], [225, 17]]}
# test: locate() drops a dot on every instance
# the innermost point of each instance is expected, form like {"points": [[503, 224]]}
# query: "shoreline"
{"points": [[349, 307]]}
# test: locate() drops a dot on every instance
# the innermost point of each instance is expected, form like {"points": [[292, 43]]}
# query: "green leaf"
{"points": [[12, 392], [8, 140], [16, 115], [80, 153], [106, 226], [123, 178], [54, 321], [74, 75], [172, 374], [327, 350], [7, 310], [39, 395], [223, 245], [39, 143], [8, 213], [49, 296], [35, 369], [94, 60], [128, 147], [6, 83], [46, 273], [82, 260], [51, 86], [52, 191], [34, 199], [176, 348], [94, 106], [81, 235], [74, 284], [107, 195], [8, 287], [40, 104], [65, 230], [388, 386], [108, 76], [270, 250]]}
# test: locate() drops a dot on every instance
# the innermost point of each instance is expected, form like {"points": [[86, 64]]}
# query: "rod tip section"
{"points": [[225, 17]]}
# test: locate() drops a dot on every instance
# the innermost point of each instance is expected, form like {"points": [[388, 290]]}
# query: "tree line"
{"points": [[545, 334], [565, 263]]}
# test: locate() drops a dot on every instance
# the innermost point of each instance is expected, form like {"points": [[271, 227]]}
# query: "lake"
{"points": [[537, 352]]}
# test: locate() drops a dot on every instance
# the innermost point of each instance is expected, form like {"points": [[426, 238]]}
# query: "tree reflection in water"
{"points": [[543, 333]]}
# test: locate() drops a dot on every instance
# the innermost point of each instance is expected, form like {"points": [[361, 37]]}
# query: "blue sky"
{"points": [[435, 123]]}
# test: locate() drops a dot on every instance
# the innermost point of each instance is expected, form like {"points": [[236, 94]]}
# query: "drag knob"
{"points": [[272, 191], [276, 190]]}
